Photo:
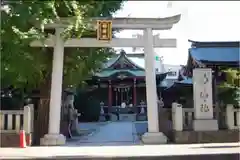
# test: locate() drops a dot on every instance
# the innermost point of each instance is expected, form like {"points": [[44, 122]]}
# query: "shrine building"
{"points": [[122, 79], [215, 55]]}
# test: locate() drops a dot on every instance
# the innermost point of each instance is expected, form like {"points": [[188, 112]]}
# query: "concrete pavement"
{"points": [[220, 151], [113, 133]]}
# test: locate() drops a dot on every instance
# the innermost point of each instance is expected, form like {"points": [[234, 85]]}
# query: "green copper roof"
{"points": [[137, 71], [108, 73]]}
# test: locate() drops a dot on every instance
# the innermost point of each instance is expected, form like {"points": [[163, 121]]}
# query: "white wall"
{"points": [[173, 68]]}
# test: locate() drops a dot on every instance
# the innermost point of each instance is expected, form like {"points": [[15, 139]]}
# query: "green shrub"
{"points": [[87, 106]]}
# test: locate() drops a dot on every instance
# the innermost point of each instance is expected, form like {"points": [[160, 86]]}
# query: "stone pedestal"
{"points": [[205, 125], [154, 138], [53, 140], [75, 127], [127, 117], [113, 117], [102, 118], [141, 117]]}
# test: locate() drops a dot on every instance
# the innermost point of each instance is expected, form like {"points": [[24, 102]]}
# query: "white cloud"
{"points": [[201, 21]]}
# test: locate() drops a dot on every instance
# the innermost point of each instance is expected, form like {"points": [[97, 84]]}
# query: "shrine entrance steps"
{"points": [[110, 134]]}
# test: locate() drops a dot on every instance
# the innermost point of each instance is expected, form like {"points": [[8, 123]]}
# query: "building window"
{"points": [[172, 74]]}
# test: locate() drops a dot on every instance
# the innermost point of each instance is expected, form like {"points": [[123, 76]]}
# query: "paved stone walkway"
{"points": [[113, 133]]}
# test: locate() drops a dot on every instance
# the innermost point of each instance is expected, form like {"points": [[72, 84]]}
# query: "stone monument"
{"points": [[142, 115], [142, 110], [203, 103], [102, 110], [102, 113], [123, 105]]}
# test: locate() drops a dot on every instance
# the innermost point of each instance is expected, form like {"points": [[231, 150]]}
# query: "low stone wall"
{"points": [[165, 123], [221, 136], [127, 117], [13, 139], [123, 117]]}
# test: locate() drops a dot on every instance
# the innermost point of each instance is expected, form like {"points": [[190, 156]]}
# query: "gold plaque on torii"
{"points": [[104, 30]]}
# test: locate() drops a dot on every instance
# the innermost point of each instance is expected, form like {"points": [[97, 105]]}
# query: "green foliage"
{"points": [[87, 106], [23, 22], [230, 89], [8, 103]]}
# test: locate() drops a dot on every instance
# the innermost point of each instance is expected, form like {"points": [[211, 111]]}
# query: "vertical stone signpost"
{"points": [[203, 103]]}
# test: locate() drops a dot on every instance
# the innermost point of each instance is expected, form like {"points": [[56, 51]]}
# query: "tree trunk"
{"points": [[42, 114], [42, 111]]}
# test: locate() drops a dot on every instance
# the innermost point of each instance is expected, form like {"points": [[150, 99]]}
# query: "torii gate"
{"points": [[147, 41]]}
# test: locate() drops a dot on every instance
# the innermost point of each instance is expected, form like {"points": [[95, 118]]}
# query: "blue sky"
{"points": [[201, 21]]}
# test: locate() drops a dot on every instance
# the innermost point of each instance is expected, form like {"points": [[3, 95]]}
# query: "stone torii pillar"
{"points": [[148, 42], [153, 135], [53, 137]]}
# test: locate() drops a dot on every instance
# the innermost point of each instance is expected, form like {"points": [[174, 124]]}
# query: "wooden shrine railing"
{"points": [[12, 121]]}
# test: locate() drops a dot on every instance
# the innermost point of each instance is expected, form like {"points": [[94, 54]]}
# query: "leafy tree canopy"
{"points": [[231, 87], [24, 65]]}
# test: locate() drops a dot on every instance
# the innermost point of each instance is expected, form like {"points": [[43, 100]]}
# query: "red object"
{"points": [[28, 140], [22, 139], [110, 94]]}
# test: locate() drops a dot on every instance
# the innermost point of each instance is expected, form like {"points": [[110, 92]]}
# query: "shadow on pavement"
{"points": [[97, 144], [223, 147], [185, 157]]}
